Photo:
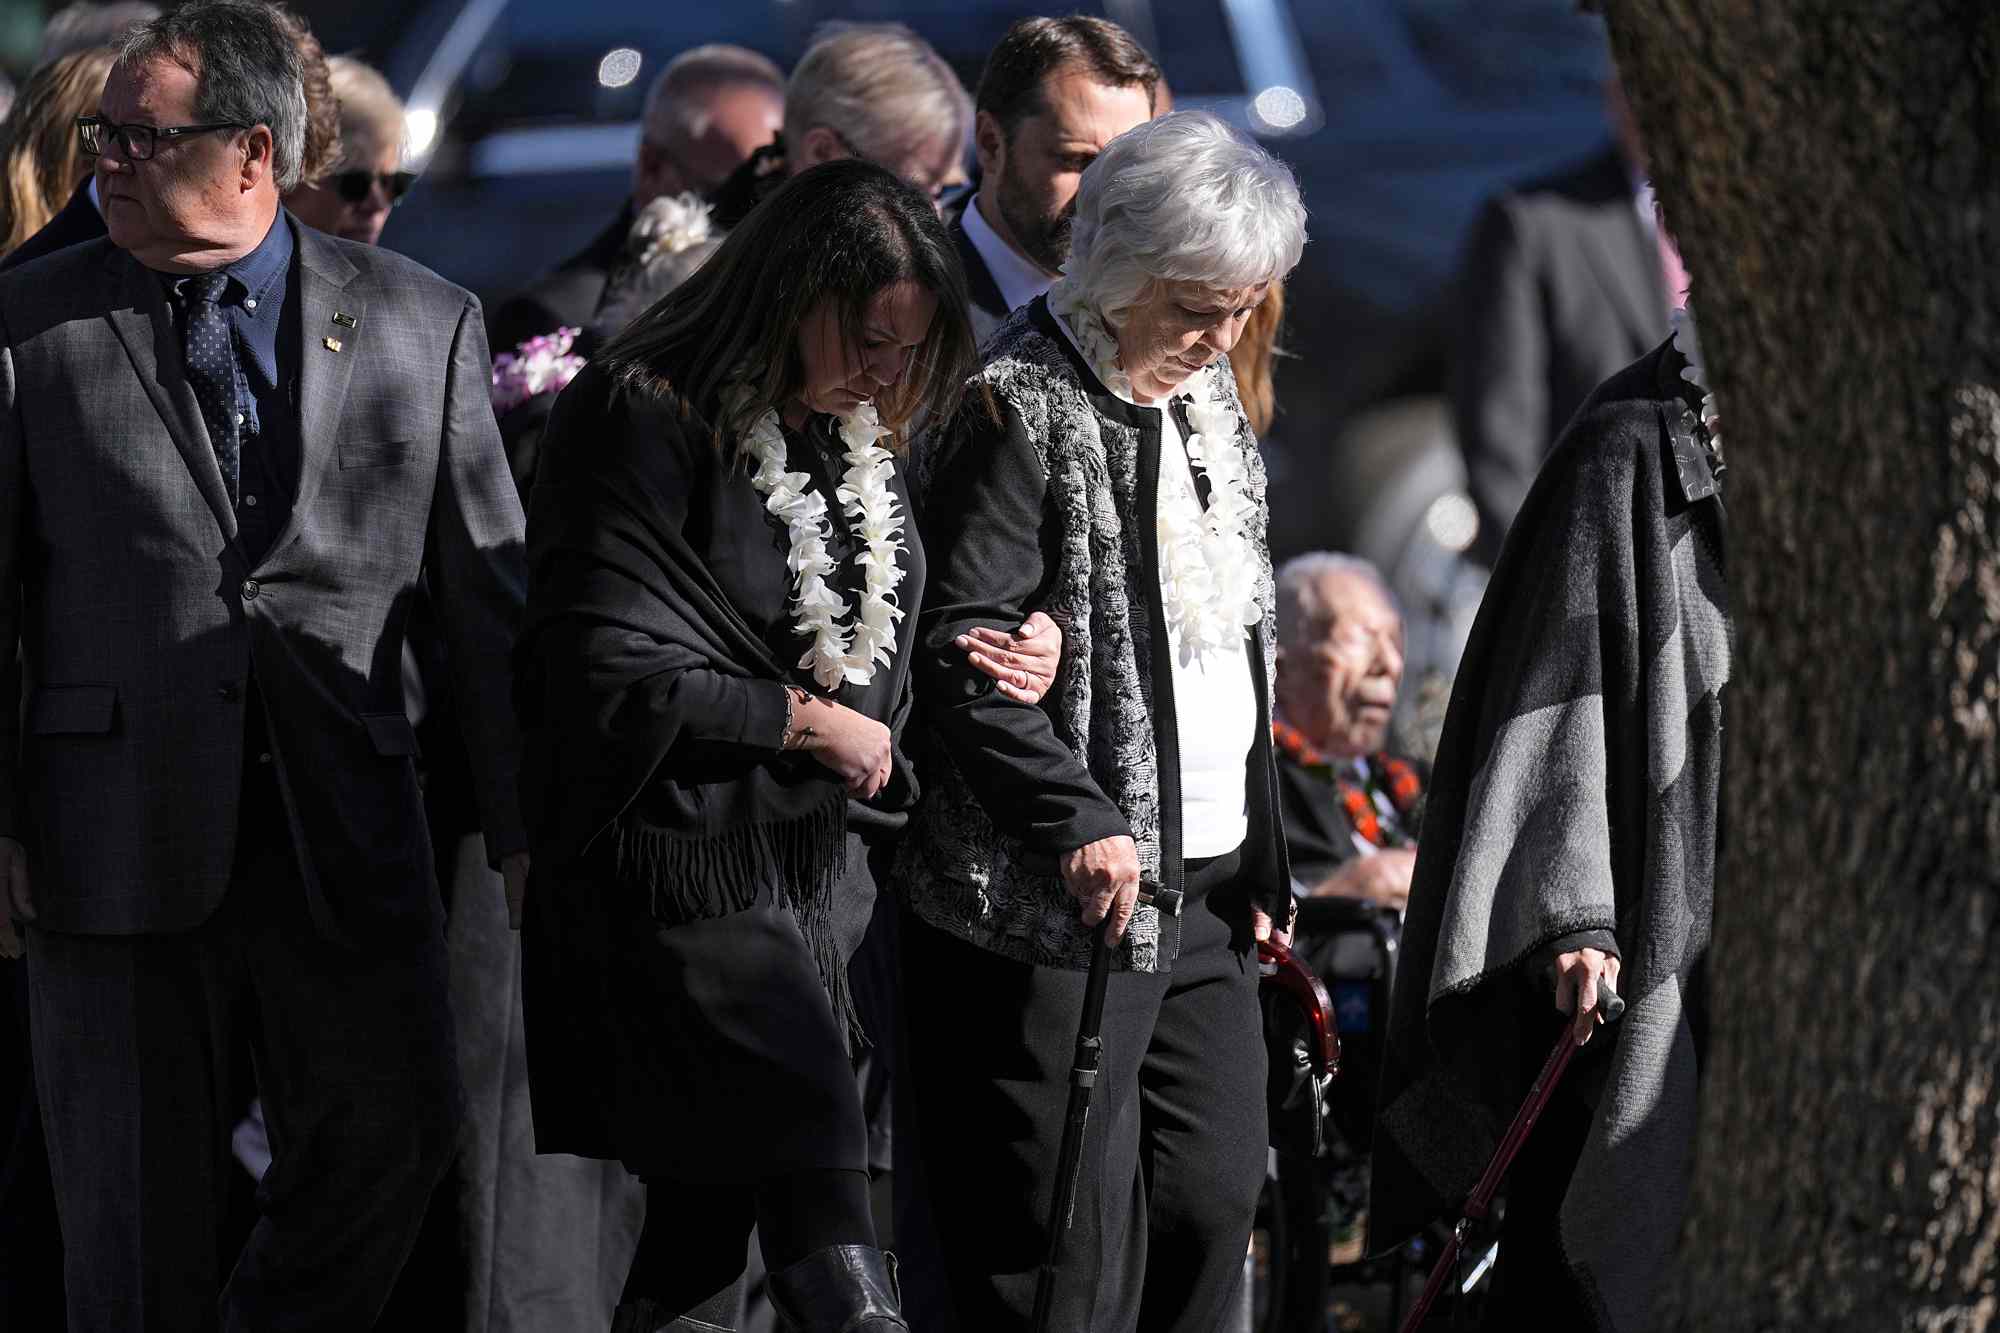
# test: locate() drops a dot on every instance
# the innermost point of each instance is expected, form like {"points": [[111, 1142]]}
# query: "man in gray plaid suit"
{"points": [[228, 447]]}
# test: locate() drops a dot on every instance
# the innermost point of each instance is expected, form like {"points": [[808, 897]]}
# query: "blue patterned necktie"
{"points": [[211, 370]]}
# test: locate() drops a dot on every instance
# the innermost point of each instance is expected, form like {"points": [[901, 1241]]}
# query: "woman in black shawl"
{"points": [[713, 676]]}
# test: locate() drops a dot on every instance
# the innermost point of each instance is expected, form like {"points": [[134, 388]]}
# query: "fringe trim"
{"points": [[700, 878]]}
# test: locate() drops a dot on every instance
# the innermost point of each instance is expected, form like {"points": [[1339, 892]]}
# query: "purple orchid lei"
{"points": [[539, 365]]}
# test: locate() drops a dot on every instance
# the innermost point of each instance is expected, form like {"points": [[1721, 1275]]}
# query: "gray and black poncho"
{"points": [[1575, 793]]}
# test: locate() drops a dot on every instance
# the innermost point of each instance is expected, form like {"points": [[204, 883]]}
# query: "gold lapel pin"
{"points": [[345, 321], [332, 344]]}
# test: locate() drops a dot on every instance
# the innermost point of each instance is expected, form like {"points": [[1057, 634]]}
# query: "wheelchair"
{"points": [[1352, 946]]}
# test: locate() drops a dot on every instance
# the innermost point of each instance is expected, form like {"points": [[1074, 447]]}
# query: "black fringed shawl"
{"points": [[632, 649], [649, 679]]}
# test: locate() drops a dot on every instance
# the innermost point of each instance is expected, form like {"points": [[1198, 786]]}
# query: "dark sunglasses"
{"points": [[353, 186]]}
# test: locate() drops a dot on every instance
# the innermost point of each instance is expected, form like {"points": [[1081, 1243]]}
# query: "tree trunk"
{"points": [[1832, 171]]}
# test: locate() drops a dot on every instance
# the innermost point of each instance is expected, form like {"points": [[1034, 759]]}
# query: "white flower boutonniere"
{"points": [[669, 225]]}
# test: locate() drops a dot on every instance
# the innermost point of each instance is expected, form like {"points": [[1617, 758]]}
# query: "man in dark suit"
{"points": [[1352, 813], [228, 446], [1563, 284], [1054, 92], [708, 111]]}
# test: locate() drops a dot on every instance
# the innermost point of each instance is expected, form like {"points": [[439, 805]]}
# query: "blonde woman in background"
{"points": [[41, 162], [1255, 361], [367, 180]]}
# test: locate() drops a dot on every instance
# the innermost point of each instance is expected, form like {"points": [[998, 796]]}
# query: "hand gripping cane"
{"points": [[1480, 1200], [1082, 1082]]}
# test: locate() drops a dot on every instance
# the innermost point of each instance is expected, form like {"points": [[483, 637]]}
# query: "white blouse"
{"points": [[1215, 701]]}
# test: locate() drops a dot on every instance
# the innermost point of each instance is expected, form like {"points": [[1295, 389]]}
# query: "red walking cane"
{"points": [[1480, 1200]]}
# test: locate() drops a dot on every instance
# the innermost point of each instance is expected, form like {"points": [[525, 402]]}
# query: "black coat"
{"points": [[1576, 791], [1560, 289], [79, 221], [989, 307], [566, 296], [1319, 833], [697, 891]]}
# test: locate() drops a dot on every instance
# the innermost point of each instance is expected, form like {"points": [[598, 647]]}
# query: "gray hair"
{"points": [[1302, 612], [879, 86], [1182, 198], [82, 25], [246, 69], [677, 101]]}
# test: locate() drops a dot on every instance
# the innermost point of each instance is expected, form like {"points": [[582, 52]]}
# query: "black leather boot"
{"points": [[840, 1289], [646, 1315]]}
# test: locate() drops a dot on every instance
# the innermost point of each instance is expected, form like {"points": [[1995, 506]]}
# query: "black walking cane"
{"points": [[1082, 1081], [1480, 1200]]}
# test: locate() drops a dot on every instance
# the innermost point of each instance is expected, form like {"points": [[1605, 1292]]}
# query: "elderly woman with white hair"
{"points": [[1102, 470]]}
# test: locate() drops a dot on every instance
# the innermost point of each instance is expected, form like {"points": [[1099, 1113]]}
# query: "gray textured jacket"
{"points": [[139, 617], [1042, 497]]}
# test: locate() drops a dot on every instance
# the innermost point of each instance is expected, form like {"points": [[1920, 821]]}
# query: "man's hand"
{"points": [[514, 874], [1022, 664], [1104, 877], [1577, 978], [17, 904], [1382, 879]]}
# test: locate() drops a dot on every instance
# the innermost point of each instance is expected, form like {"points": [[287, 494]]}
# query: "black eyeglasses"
{"points": [[353, 186], [140, 141]]}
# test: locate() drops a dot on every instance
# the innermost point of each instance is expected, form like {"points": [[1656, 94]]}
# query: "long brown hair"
{"points": [[41, 158], [322, 149], [1255, 360], [840, 232]]}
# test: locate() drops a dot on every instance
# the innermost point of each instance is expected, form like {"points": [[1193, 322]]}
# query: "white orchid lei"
{"points": [[1209, 569], [1688, 340], [841, 652]]}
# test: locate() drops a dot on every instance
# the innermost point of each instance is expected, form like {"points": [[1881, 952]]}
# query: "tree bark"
{"points": [[1832, 172]]}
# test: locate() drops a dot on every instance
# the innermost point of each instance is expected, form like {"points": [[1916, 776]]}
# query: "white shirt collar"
{"points": [[95, 202], [1019, 280]]}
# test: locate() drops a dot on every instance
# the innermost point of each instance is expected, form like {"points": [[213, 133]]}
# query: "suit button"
{"points": [[264, 758], [229, 691], [250, 590]]}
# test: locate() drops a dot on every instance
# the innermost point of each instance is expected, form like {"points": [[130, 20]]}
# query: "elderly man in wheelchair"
{"points": [[1352, 813]]}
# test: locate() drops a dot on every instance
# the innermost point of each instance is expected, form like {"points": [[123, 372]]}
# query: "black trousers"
{"points": [[133, 1040], [31, 1294], [1175, 1152]]}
